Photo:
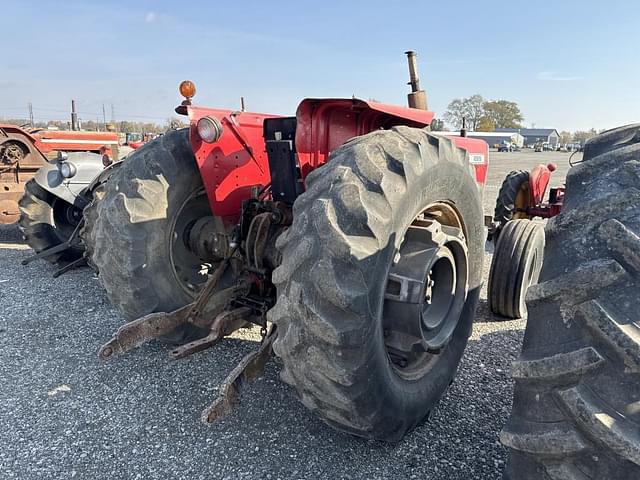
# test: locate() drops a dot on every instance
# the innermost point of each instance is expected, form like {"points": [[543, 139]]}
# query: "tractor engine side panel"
{"points": [[478, 156], [233, 165]]}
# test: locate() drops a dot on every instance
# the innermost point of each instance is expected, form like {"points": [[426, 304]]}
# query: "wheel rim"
{"points": [[426, 291], [65, 217], [189, 270]]}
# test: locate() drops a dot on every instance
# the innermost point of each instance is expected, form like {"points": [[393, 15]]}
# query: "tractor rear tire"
{"points": [[575, 410], [515, 266], [505, 210], [47, 221], [334, 284], [129, 230]]}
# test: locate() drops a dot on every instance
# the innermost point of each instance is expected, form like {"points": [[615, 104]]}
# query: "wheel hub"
{"points": [[190, 269], [426, 292], [12, 154]]}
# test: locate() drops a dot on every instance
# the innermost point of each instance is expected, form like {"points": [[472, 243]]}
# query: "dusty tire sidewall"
{"points": [[454, 184]]}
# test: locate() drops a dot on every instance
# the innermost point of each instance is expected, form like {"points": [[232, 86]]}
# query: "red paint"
{"points": [[325, 124], [63, 140], [235, 163], [478, 155], [538, 183], [238, 161]]}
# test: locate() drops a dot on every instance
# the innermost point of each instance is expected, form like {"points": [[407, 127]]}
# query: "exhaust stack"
{"points": [[417, 98], [74, 116]]}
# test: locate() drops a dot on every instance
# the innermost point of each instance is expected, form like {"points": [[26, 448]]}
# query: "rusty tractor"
{"points": [[40, 185], [352, 236]]}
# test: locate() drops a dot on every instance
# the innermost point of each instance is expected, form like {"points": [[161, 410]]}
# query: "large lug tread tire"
{"points": [[38, 226], [515, 266], [612, 140], [577, 387], [126, 225], [331, 283], [506, 201]]}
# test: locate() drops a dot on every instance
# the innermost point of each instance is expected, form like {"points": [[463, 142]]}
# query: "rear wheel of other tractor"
{"points": [[379, 281], [137, 231], [515, 266], [46, 221], [575, 410], [513, 195]]}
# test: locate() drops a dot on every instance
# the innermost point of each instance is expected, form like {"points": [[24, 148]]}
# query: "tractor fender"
{"points": [[33, 156], [88, 167], [538, 182]]}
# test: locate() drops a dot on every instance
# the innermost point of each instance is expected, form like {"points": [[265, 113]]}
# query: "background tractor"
{"points": [[40, 186], [519, 240], [352, 236]]}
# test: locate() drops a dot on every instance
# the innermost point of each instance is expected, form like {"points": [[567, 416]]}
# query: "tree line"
{"points": [[123, 126], [482, 115]]}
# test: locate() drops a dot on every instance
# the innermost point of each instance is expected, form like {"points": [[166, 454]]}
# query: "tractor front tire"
{"points": [[513, 188], [47, 221], [131, 231], [576, 404], [339, 345], [517, 260]]}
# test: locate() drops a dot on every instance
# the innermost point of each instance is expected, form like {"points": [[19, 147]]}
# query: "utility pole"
{"points": [[31, 115], [104, 117], [113, 118]]}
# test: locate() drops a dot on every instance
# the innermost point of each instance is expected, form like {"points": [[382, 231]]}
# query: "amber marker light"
{"points": [[187, 89]]}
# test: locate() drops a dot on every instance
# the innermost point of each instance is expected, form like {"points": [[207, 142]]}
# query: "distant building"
{"points": [[535, 135]]}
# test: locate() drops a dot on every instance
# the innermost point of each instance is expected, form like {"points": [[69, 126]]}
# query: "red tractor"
{"points": [[519, 241], [349, 233]]}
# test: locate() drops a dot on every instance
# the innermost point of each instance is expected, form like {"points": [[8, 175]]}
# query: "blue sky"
{"points": [[568, 64]]}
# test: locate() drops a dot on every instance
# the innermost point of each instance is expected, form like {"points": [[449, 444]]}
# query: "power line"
{"points": [[87, 113]]}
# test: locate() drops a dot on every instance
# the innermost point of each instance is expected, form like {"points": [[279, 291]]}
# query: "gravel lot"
{"points": [[64, 414]]}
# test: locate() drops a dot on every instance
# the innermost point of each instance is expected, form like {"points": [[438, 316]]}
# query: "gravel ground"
{"points": [[64, 414]]}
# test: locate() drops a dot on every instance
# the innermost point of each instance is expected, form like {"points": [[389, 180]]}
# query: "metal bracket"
{"points": [[250, 368], [224, 324], [154, 325]]}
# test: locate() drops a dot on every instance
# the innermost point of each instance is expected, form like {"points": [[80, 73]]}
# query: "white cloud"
{"points": [[150, 17], [554, 77]]}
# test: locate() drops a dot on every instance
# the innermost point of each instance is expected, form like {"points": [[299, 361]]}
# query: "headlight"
{"points": [[209, 129], [67, 169]]}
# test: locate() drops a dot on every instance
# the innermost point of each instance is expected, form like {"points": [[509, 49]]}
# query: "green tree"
{"points": [[503, 114], [486, 125], [470, 108], [582, 136], [566, 137]]}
